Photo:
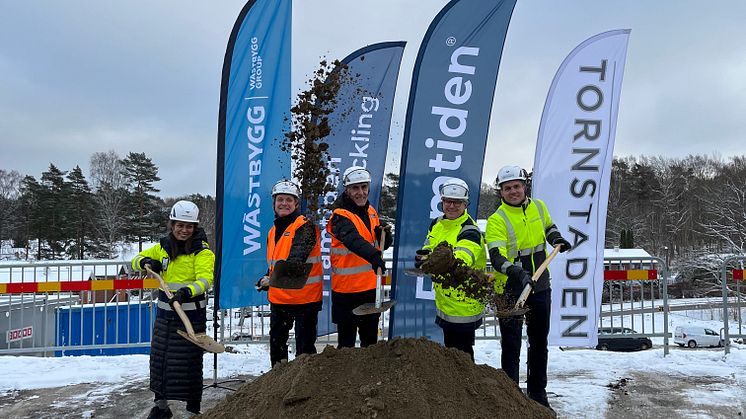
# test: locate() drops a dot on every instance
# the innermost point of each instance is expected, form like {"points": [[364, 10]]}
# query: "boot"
{"points": [[158, 413]]}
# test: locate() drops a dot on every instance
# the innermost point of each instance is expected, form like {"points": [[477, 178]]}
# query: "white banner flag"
{"points": [[572, 170]]}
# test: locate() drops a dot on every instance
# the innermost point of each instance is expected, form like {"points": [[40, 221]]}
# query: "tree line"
{"points": [[680, 208], [64, 215]]}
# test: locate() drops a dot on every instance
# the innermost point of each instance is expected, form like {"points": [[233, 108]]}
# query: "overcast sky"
{"points": [[78, 77]]}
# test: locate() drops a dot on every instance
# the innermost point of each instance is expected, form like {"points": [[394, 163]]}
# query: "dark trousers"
{"points": [[462, 340], [537, 325], [366, 326], [281, 321]]}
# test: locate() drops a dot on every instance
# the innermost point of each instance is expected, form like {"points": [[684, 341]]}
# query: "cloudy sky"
{"points": [[78, 77]]}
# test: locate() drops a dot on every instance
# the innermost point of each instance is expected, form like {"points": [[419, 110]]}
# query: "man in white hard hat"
{"points": [[187, 265], [293, 238], [356, 257], [458, 315], [516, 238]]}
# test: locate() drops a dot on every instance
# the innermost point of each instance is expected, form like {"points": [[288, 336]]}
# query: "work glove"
{"points": [[378, 263], [379, 228], [181, 295], [155, 265], [262, 284], [421, 257], [517, 280], [564, 244]]}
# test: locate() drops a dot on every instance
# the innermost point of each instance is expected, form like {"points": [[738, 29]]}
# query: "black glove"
{"points": [[378, 263], [564, 244], [517, 280], [379, 228], [421, 257], [155, 265], [262, 287], [181, 295]]}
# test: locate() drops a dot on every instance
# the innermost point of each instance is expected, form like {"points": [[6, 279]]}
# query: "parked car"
{"points": [[693, 336], [621, 339]]}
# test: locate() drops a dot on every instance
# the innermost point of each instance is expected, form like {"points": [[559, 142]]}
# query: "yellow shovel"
{"points": [[200, 339]]}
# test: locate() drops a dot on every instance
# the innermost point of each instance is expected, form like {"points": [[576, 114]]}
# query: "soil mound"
{"points": [[401, 378]]}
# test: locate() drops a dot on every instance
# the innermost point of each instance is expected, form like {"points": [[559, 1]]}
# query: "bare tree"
{"points": [[10, 192], [110, 196]]}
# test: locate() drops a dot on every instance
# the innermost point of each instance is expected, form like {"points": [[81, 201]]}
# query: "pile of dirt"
{"points": [[401, 378]]}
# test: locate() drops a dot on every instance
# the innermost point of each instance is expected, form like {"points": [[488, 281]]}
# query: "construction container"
{"points": [[27, 322], [100, 329]]}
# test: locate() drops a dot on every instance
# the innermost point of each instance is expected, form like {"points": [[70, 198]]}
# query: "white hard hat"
{"points": [[455, 189], [354, 175], [184, 211], [508, 173], [286, 187]]}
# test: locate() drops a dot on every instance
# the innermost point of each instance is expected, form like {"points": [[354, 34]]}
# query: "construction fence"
{"points": [[99, 308]]}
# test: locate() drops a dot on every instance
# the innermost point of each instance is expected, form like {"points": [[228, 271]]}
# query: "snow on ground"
{"points": [[578, 376]]}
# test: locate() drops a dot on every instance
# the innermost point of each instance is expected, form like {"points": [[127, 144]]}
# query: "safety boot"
{"points": [[158, 413]]}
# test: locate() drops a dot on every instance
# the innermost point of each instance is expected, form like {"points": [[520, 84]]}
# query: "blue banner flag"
{"points": [[359, 135], [445, 136], [254, 101]]}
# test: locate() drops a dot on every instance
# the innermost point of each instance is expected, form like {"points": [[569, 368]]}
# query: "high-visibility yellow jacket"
{"points": [[517, 235], [194, 270], [312, 291], [468, 245]]}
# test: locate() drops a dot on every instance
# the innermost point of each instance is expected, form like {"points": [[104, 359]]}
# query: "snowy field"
{"points": [[578, 378]]}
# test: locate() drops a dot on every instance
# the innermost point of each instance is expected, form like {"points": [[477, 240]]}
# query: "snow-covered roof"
{"points": [[625, 253]]}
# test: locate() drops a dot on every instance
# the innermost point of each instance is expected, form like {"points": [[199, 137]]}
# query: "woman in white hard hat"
{"points": [[186, 264], [295, 239], [355, 230]]}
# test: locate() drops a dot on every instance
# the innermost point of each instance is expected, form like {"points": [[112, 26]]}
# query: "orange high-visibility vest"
{"points": [[314, 287], [350, 272]]}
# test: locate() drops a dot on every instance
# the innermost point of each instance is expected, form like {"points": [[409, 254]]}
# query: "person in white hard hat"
{"points": [[516, 238], [186, 264], [458, 315], [293, 238], [356, 258]]}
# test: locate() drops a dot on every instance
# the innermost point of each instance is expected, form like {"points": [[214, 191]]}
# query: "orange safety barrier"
{"points": [[738, 274], [631, 275], [99, 285]]}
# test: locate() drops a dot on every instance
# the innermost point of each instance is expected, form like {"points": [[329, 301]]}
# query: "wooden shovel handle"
{"points": [[177, 306], [527, 290]]}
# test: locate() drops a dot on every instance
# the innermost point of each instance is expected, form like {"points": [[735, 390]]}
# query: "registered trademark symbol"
{"points": [[451, 41]]}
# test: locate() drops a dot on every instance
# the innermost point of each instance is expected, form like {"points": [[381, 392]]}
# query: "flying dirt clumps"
{"points": [[401, 378], [309, 126], [450, 272]]}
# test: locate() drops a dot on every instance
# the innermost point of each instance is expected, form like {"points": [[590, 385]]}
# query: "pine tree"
{"points": [[147, 218], [80, 207], [32, 220], [55, 227]]}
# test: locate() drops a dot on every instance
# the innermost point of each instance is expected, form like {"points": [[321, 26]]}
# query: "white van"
{"points": [[693, 336]]}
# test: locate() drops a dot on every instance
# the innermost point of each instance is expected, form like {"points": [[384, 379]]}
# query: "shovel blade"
{"points": [[290, 275], [516, 312], [203, 341], [370, 308]]}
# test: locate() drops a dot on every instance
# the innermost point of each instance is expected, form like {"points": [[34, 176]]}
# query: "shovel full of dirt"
{"points": [[290, 275], [519, 308], [200, 339], [379, 306]]}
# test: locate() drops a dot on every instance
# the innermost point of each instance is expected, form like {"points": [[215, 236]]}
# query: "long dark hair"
{"points": [[178, 247]]}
